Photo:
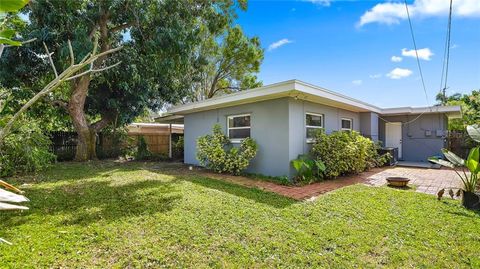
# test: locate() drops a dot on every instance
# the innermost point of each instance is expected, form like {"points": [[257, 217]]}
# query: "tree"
{"points": [[232, 61], [470, 104], [159, 39]]}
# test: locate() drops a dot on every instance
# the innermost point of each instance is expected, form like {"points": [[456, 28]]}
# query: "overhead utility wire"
{"points": [[419, 68], [446, 56]]}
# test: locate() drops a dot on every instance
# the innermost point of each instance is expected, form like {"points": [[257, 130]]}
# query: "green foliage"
{"points": [[232, 60], [472, 163], [217, 153], [346, 153], [308, 169], [178, 147], [470, 104], [6, 34], [143, 153], [26, 149]]}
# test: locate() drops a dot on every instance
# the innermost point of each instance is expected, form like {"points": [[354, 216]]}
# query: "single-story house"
{"points": [[282, 116]]}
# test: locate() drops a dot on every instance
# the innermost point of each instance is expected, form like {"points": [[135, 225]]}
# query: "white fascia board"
{"points": [[258, 94], [282, 89], [419, 110]]}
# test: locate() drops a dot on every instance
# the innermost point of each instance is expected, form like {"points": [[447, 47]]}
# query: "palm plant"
{"points": [[461, 166]]}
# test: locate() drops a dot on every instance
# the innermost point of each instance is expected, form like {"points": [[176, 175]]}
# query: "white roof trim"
{"points": [[305, 91], [420, 110], [288, 88]]}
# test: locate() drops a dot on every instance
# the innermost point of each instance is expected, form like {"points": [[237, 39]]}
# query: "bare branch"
{"points": [[67, 74], [91, 70], [72, 57], [50, 59], [95, 45]]}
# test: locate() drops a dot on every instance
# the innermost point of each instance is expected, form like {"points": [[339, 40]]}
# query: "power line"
{"points": [[419, 69], [446, 56], [416, 52]]}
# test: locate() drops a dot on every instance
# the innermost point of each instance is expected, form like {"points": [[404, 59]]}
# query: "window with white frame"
{"points": [[347, 124], [238, 127], [313, 123]]}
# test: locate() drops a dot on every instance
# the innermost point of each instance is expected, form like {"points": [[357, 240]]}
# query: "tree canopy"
{"points": [[470, 104], [160, 41]]}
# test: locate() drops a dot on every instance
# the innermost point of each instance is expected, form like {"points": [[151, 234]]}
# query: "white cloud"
{"points": [[279, 43], [399, 73], [454, 46], [424, 54], [394, 12], [375, 76], [396, 59], [357, 82], [325, 3]]}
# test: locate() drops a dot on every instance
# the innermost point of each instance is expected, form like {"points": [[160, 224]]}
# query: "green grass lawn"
{"points": [[104, 214]]}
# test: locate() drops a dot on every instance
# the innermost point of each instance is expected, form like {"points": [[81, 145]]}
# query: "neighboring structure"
{"points": [[157, 135], [281, 117]]}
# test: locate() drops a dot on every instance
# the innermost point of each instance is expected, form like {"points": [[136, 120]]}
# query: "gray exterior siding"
{"points": [[369, 125], [416, 145], [332, 117], [269, 128], [278, 126]]}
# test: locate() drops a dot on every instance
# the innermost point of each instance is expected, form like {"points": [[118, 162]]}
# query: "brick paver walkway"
{"points": [[426, 180]]}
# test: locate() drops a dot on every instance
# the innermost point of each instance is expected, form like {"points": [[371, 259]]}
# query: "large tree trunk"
{"points": [[86, 135]]}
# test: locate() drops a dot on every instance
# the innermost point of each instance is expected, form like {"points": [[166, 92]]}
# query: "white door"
{"points": [[393, 136]]}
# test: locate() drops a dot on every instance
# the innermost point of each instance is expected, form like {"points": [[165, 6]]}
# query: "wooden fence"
{"points": [[460, 143], [64, 143]]}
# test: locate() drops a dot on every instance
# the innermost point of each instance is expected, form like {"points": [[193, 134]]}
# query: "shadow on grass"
{"points": [[251, 193], [254, 194], [404, 188], [91, 201], [85, 193]]}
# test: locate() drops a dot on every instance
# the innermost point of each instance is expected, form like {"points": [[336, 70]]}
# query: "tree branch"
{"points": [[121, 27], [71, 71], [50, 59]]}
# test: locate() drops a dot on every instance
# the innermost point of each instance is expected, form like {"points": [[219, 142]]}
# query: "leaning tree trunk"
{"points": [[86, 135]]}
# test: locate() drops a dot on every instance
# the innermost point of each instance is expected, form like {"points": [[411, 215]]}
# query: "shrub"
{"points": [[217, 153], [308, 169], [177, 148], [143, 153], [26, 149], [345, 153]]}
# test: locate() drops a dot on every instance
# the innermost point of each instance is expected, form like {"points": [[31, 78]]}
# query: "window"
{"points": [[347, 124], [313, 122], [238, 127]]}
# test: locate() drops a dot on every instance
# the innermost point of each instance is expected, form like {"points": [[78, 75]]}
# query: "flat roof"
{"points": [[299, 90]]}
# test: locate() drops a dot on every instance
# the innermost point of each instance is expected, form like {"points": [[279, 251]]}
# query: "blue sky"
{"points": [[347, 46]]}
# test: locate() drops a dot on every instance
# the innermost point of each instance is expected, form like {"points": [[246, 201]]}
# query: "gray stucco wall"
{"points": [[269, 128], [332, 122], [277, 125], [416, 146], [369, 125]]}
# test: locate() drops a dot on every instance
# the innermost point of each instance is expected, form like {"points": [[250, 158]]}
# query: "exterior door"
{"points": [[393, 136]]}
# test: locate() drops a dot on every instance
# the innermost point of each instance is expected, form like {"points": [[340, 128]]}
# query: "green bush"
{"points": [[217, 153], [26, 149], [346, 153], [177, 148], [142, 153], [308, 169]]}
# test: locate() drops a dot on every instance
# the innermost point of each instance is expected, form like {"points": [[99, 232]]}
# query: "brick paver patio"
{"points": [[428, 181]]}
